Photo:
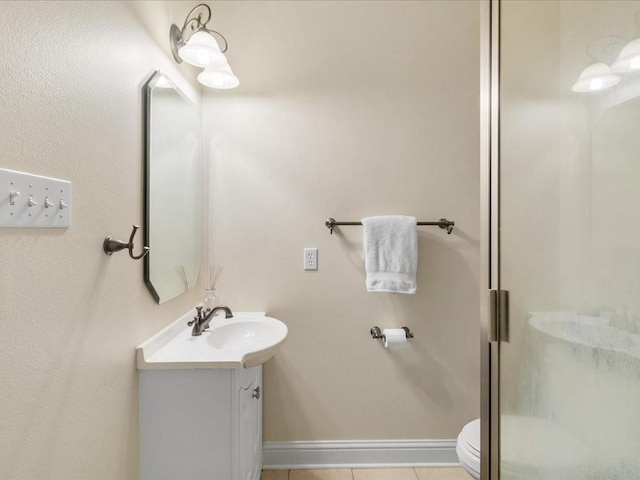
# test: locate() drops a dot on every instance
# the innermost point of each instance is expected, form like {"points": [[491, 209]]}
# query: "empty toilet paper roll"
{"points": [[394, 338]]}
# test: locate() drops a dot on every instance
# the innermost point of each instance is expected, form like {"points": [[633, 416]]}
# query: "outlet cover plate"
{"points": [[311, 259]]}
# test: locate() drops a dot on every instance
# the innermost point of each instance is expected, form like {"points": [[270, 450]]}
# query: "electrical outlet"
{"points": [[311, 259]]}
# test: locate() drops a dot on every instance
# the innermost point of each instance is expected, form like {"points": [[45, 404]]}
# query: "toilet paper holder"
{"points": [[377, 333]]}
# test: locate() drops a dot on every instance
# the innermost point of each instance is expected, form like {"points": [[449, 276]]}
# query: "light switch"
{"points": [[33, 201]]}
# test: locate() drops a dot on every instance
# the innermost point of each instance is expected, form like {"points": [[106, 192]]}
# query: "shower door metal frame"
{"points": [[490, 236]]}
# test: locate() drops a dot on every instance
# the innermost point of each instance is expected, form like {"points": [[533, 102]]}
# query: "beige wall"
{"points": [[350, 109], [70, 94]]}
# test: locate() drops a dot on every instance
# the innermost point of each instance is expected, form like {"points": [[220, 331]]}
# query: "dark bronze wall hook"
{"points": [[110, 245]]}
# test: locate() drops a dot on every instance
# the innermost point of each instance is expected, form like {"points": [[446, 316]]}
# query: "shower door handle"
{"points": [[493, 316], [498, 316]]}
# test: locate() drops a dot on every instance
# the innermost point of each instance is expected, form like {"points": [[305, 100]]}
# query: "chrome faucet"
{"points": [[201, 321]]}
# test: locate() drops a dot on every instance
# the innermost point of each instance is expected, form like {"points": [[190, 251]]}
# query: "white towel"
{"points": [[391, 253]]}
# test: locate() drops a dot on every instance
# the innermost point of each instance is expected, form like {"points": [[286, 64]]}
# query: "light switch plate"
{"points": [[33, 201]]}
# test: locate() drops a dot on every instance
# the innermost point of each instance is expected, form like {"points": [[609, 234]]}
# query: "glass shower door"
{"points": [[569, 239]]}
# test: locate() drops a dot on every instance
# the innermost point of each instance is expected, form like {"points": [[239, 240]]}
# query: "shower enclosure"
{"points": [[561, 359]]}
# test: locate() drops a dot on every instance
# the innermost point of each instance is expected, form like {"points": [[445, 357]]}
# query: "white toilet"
{"points": [[468, 448], [538, 448]]}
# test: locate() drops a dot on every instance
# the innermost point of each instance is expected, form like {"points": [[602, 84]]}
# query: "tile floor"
{"points": [[368, 474]]}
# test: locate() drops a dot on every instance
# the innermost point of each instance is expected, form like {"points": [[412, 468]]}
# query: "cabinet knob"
{"points": [[256, 393]]}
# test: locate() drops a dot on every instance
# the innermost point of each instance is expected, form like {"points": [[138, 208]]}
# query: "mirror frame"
{"points": [[146, 122]]}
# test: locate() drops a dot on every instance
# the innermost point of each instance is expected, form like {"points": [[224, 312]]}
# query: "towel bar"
{"points": [[443, 223]]}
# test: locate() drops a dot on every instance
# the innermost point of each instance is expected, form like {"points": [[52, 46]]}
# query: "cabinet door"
{"points": [[255, 421], [249, 426], [244, 432]]}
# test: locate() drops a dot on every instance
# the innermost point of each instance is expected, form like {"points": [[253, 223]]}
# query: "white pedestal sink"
{"points": [[200, 398]]}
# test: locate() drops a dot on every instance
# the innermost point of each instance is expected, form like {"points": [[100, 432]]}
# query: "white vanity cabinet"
{"points": [[200, 424]]}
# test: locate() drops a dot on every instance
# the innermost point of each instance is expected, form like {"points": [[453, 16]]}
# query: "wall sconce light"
{"points": [[221, 77], [595, 77], [629, 58], [196, 45]]}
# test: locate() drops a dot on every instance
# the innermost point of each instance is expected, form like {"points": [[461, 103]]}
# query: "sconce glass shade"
{"points": [[221, 77], [202, 50], [594, 78], [629, 58]]}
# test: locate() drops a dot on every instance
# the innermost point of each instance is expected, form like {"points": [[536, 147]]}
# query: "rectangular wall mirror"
{"points": [[173, 198]]}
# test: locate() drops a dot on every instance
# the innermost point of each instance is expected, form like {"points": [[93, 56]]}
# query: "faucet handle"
{"points": [[197, 318]]}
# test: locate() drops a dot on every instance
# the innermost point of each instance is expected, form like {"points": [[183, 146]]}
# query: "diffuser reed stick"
{"points": [[214, 275], [182, 273], [210, 293]]}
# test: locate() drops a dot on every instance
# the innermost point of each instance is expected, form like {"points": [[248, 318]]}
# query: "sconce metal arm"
{"points": [[191, 16], [192, 24]]}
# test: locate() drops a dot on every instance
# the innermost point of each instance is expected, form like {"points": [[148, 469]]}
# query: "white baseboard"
{"points": [[365, 454]]}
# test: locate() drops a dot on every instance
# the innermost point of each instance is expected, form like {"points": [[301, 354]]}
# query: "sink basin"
{"points": [[245, 340], [256, 338], [253, 334]]}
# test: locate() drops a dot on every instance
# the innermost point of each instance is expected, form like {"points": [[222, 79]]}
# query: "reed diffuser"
{"points": [[182, 274], [210, 292]]}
